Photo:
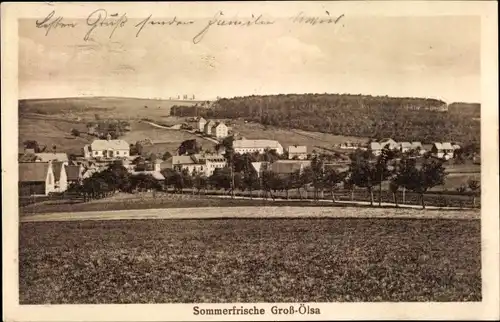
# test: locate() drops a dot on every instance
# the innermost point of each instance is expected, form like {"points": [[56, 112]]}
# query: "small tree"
{"points": [[75, 132], [331, 179], [475, 187]]}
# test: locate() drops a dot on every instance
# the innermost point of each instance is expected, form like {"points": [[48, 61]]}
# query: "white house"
{"points": [[297, 151], [251, 146], [201, 124], [107, 149], [418, 146], [219, 130], [442, 150]]}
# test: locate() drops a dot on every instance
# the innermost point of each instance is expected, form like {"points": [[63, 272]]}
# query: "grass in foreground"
{"points": [[165, 261]]}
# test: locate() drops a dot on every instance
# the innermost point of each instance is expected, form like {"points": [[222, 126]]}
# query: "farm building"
{"points": [[251, 146], [36, 178], [287, 167], [442, 150], [297, 152], [107, 149], [74, 173]]}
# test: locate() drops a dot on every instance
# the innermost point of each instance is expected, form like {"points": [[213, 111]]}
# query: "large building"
{"points": [[219, 130], [36, 178], [195, 163], [107, 149], [251, 146]]}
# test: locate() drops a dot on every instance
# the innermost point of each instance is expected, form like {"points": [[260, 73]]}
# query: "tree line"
{"points": [[363, 171], [350, 115]]}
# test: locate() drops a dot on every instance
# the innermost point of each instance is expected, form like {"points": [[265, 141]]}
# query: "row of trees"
{"points": [[364, 171], [353, 115]]}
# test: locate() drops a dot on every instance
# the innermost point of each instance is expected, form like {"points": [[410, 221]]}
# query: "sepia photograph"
{"points": [[211, 154]]}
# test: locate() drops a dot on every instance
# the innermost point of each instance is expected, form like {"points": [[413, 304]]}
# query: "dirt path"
{"points": [[255, 213], [175, 129]]}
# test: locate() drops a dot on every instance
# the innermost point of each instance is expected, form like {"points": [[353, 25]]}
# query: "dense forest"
{"points": [[351, 115]]}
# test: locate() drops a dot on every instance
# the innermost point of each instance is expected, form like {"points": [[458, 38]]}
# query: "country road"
{"points": [[246, 212], [174, 129]]}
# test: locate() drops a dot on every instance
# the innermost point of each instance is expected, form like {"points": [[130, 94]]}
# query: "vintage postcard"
{"points": [[195, 161]]}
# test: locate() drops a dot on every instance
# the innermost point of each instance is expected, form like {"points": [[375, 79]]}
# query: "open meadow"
{"points": [[249, 260], [287, 137]]}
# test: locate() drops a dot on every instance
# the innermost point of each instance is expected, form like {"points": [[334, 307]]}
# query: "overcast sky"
{"points": [[436, 57]]}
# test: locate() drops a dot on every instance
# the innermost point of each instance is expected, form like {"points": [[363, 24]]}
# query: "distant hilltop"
{"points": [[87, 104]]}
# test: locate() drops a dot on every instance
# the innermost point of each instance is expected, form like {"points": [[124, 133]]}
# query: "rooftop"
{"points": [[47, 156], [99, 145], [33, 171], [261, 144]]}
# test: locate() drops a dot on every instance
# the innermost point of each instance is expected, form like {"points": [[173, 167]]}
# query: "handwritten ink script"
{"points": [[100, 19]]}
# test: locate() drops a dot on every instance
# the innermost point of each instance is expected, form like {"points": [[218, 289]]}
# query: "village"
{"points": [[54, 173]]}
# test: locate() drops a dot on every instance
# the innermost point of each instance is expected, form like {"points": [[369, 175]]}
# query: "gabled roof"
{"points": [[47, 156], [73, 172], [242, 144], [438, 145], [260, 166], [405, 145], [297, 149], [387, 140], [33, 171], [447, 146], [375, 146], [416, 144], [182, 159], [201, 119], [99, 145]]}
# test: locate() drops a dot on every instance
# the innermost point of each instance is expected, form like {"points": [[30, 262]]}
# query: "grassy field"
{"points": [[168, 140], [291, 137], [51, 132], [113, 107], [301, 260]]}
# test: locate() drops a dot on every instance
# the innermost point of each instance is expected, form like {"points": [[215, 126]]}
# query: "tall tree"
{"points": [[419, 179], [331, 179]]}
